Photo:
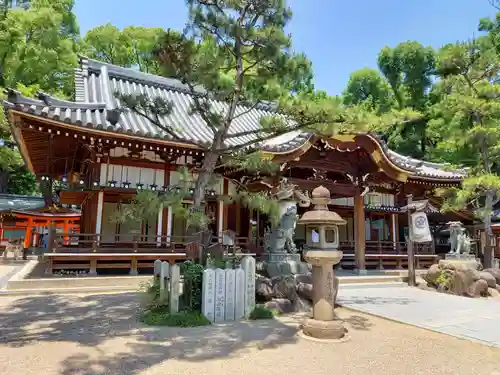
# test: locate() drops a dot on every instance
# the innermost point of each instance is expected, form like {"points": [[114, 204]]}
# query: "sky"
{"points": [[338, 36]]}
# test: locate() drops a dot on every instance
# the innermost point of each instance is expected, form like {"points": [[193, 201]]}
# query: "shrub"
{"points": [[261, 312], [161, 317]]}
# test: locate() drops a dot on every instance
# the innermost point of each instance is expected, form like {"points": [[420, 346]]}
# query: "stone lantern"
{"points": [[322, 241]]}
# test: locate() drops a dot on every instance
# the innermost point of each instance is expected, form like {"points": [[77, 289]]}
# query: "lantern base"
{"points": [[324, 330]]}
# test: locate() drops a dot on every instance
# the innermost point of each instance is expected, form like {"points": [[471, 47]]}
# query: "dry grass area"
{"points": [[98, 334]]}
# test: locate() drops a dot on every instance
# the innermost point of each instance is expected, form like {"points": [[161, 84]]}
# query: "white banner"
{"points": [[420, 228]]}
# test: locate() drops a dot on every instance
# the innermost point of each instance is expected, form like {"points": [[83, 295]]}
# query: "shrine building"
{"points": [[104, 156]]}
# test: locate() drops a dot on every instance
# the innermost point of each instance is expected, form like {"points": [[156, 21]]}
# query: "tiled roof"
{"points": [[420, 167], [96, 106], [20, 202]]}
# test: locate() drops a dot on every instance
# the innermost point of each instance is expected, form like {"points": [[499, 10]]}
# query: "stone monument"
{"points": [[322, 240], [280, 250]]}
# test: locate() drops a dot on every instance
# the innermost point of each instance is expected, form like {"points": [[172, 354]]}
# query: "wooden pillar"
{"points": [[169, 225], [394, 222], [27, 238], [98, 222], [226, 207], [159, 227], [359, 233], [66, 230], [220, 219]]}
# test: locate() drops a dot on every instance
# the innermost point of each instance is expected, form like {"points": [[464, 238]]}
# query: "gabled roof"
{"points": [[96, 107]]}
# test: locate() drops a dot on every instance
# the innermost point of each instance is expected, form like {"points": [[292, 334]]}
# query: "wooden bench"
{"points": [[109, 260]]}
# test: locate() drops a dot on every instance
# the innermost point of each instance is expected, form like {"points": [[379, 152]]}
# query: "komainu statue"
{"points": [[281, 238], [460, 242]]}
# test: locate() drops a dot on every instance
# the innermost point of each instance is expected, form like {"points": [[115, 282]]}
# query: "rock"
{"points": [[493, 292], [302, 304], [303, 278], [284, 287], [425, 286], [478, 288], [489, 278], [264, 288], [282, 305], [432, 274], [305, 290], [460, 282], [459, 265], [495, 272]]}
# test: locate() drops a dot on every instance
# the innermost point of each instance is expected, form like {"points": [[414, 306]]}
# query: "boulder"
{"points": [[282, 305], [495, 272], [264, 288], [425, 286], [489, 278], [284, 287], [478, 288], [303, 278], [305, 290], [432, 274], [460, 282], [493, 292]]}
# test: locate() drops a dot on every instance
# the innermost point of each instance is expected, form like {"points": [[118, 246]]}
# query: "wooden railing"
{"points": [[81, 243], [387, 247]]}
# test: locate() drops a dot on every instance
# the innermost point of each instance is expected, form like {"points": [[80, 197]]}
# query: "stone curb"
{"points": [[55, 291]]}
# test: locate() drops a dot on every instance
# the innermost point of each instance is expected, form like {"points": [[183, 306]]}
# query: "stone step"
{"points": [[131, 282], [79, 290]]}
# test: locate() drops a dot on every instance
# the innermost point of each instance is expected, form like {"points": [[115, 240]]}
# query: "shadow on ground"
{"points": [[91, 320]]}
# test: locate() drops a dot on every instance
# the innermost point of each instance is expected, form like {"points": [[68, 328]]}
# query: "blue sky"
{"points": [[339, 36]]}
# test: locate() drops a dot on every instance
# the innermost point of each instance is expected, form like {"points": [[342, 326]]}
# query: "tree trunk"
{"points": [[488, 255]]}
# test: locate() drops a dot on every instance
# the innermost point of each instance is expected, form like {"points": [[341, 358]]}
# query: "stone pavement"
{"points": [[8, 269], [466, 318]]}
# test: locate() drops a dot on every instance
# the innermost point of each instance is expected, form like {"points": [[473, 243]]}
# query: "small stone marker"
{"points": [[248, 265], [230, 294], [208, 294], [220, 292], [239, 300], [157, 268], [175, 275], [164, 276]]}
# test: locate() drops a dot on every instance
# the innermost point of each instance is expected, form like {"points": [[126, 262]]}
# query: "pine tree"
{"points": [[470, 110], [238, 51]]}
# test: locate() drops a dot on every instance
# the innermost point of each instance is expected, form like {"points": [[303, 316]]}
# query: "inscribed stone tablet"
{"points": [[239, 300], [157, 268], [208, 294], [220, 293], [175, 275], [248, 265], [230, 294]]}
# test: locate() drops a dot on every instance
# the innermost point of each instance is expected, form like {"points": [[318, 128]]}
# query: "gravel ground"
{"points": [[98, 334]]}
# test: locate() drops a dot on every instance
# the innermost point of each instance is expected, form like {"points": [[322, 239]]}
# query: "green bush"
{"points": [[261, 312], [161, 317]]}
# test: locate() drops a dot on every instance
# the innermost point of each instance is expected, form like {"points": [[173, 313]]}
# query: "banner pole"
{"points": [[411, 259]]}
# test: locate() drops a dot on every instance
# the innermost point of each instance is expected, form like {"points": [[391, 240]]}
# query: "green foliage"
{"points": [[193, 276], [36, 46], [156, 313], [183, 319], [261, 312]]}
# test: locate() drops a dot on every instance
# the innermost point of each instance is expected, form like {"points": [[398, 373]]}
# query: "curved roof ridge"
{"points": [[129, 74]]}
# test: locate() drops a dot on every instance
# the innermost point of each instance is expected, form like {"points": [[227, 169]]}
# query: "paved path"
{"points": [[89, 334], [9, 269], [467, 318]]}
